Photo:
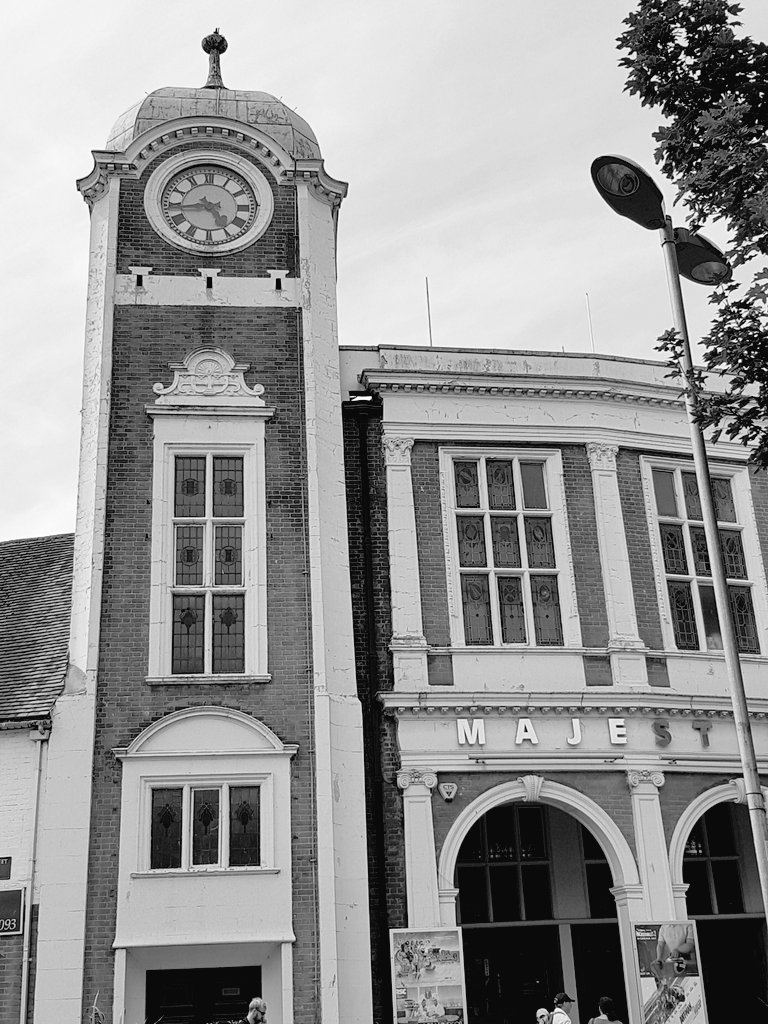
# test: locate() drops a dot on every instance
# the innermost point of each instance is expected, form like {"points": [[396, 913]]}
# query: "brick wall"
{"points": [[580, 502], [140, 245], [145, 341], [759, 482], [425, 473], [371, 609]]}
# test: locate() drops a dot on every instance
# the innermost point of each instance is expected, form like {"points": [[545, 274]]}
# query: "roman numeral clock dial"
{"points": [[209, 205], [208, 201]]}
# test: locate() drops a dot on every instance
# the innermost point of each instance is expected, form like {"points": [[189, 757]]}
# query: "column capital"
{"points": [[602, 455], [397, 450], [645, 776], [408, 777]]}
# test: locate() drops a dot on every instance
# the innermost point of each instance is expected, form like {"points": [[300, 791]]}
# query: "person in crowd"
{"points": [[607, 1011], [562, 1011], [257, 1012]]}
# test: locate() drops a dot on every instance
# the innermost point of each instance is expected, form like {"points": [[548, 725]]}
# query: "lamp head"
{"points": [[700, 260], [629, 190]]}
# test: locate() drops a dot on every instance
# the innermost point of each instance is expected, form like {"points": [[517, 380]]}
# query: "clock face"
{"points": [[208, 205]]}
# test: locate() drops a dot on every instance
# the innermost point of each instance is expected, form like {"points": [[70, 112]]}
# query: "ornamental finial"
{"points": [[214, 45]]}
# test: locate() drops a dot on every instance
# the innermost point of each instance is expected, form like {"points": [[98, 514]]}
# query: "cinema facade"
{"points": [[357, 640], [557, 720]]}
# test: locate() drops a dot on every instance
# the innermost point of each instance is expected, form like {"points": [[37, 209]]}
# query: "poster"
{"points": [[428, 976], [670, 977]]}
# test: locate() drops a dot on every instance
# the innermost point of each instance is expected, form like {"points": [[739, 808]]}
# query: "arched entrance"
{"points": [[534, 901], [712, 854]]}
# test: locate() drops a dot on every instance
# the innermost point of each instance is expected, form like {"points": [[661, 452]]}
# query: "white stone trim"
{"points": [[644, 785], [185, 290], [729, 792], [195, 747], [627, 658], [526, 425], [63, 877], [405, 585], [345, 994], [194, 431], [189, 158], [248, 139], [580, 806], [552, 458], [209, 376], [422, 896]]}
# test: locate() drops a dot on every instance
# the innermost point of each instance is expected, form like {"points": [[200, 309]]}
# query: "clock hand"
{"points": [[213, 208]]}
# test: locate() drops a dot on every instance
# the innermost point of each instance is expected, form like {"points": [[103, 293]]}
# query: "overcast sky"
{"points": [[465, 129]]}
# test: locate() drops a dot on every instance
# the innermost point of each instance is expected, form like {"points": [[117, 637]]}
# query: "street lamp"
{"points": [[631, 192]]}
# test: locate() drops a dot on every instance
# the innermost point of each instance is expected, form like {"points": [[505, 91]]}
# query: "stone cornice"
{"points": [[530, 705], [269, 154], [435, 382]]}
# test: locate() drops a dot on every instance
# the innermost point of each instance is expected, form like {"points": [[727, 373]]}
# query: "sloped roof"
{"points": [[35, 596]]}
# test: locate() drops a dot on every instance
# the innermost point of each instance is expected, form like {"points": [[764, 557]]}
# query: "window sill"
{"points": [[202, 872], [207, 680]]}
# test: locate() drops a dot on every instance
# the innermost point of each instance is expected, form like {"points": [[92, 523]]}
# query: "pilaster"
{"points": [[409, 647], [424, 903], [625, 647], [653, 860]]}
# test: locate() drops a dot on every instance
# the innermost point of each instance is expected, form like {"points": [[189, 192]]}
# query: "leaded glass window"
{"points": [[209, 826], [687, 564], [507, 562], [208, 596], [165, 833], [711, 865], [503, 867]]}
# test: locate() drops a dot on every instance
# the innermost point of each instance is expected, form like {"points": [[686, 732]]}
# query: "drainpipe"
{"points": [[39, 737]]}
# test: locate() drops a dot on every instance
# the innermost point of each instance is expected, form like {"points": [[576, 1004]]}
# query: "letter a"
{"points": [[525, 731]]}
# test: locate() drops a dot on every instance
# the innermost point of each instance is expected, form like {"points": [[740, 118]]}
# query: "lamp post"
{"points": [[631, 192]]}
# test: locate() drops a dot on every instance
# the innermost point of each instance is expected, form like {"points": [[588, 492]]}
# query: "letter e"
{"points": [[617, 730]]}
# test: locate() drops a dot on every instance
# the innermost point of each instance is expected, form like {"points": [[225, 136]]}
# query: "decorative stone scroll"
{"points": [[636, 777], [532, 785], [416, 777], [602, 455], [397, 450], [208, 376]]}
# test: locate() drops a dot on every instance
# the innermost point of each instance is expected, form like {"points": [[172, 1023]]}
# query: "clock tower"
{"points": [[213, 767]]}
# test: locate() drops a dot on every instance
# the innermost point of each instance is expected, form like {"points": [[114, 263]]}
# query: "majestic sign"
{"points": [[428, 976], [5, 868], [670, 978], [11, 916], [471, 731]]}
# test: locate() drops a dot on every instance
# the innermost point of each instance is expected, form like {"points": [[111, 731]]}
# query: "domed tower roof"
{"points": [[258, 109]]}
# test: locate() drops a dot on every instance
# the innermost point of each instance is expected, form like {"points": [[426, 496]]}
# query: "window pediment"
{"points": [[205, 731]]}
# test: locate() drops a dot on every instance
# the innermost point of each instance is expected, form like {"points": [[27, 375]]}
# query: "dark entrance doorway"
{"points": [[201, 996], [725, 901], [510, 972], [599, 967], [537, 916]]}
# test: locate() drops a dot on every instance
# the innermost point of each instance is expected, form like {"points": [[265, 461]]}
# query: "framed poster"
{"points": [[670, 975], [428, 975]]}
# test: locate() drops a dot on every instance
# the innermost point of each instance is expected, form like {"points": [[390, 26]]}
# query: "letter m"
{"points": [[470, 731]]}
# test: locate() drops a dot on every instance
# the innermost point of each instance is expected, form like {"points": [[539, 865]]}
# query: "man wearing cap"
{"points": [[562, 1010]]}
